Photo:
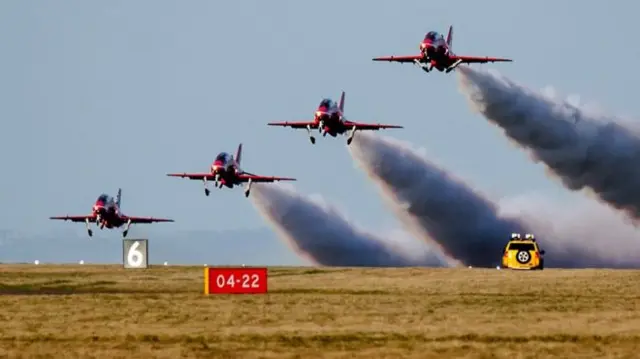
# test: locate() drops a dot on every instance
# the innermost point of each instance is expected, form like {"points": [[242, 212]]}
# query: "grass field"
{"points": [[108, 312]]}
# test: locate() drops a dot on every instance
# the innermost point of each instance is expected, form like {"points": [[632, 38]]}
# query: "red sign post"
{"points": [[239, 280]]}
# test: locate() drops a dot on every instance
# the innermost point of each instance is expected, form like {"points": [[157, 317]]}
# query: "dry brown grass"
{"points": [[108, 312]]}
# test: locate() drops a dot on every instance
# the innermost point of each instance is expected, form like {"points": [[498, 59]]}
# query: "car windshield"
{"points": [[515, 246], [325, 103]]}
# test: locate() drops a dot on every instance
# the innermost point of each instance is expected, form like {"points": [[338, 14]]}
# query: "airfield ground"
{"points": [[78, 311]]}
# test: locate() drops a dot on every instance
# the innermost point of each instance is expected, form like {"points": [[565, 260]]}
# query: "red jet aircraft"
{"points": [[225, 171], [106, 213], [329, 119], [436, 53]]}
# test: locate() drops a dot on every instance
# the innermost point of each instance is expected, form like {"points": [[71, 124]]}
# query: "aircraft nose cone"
{"points": [[217, 167]]}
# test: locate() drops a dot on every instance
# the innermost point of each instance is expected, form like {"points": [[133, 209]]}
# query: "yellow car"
{"points": [[522, 253]]}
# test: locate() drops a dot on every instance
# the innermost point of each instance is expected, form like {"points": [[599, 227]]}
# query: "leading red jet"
{"points": [[435, 52], [225, 171], [329, 119], [106, 213]]}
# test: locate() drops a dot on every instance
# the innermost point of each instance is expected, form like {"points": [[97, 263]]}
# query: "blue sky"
{"points": [[100, 95]]}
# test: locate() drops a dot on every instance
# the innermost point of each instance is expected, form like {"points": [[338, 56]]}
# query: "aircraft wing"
{"points": [[478, 59], [145, 219], [400, 59], [304, 124], [245, 177], [369, 126], [90, 217], [193, 176]]}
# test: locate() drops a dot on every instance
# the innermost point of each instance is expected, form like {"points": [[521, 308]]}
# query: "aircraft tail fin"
{"points": [[119, 197], [239, 154], [341, 103], [450, 37]]}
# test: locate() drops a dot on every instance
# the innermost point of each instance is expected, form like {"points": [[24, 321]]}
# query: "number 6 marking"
{"points": [[134, 256]]}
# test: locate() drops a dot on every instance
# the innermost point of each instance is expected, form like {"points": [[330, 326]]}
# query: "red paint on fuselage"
{"points": [[107, 212], [331, 117], [435, 50], [225, 166]]}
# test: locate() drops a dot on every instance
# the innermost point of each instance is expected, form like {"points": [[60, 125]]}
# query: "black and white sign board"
{"points": [[135, 253]]}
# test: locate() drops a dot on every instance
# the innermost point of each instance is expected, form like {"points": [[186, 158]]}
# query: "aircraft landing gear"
{"points": [[206, 190], [351, 134], [452, 67], [311, 138], [126, 229], [89, 231], [423, 66], [248, 190]]}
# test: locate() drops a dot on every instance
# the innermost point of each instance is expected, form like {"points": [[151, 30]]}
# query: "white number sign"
{"points": [[221, 281], [254, 281], [134, 256], [135, 253]]}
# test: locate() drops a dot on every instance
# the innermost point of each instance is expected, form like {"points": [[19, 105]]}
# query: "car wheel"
{"points": [[523, 257]]}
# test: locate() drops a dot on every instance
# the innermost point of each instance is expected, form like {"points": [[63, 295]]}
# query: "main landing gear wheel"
{"points": [[349, 141], [313, 140], [206, 191], [90, 232], [124, 234]]}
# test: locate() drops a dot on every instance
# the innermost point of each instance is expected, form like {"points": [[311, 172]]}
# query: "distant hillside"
{"points": [[251, 247]]}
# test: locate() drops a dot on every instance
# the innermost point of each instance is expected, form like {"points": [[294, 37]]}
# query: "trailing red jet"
{"points": [[329, 119], [106, 213], [435, 52], [225, 171]]}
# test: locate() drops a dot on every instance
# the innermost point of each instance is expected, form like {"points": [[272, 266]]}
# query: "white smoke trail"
{"points": [[465, 224], [584, 149], [607, 237], [433, 204], [321, 234]]}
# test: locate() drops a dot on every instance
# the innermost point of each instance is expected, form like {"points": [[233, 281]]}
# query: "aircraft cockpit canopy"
{"points": [[104, 198], [326, 103], [432, 36], [223, 157]]}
